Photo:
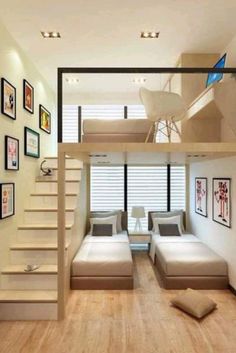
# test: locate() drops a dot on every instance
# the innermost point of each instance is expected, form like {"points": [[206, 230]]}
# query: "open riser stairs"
{"points": [[33, 295]]}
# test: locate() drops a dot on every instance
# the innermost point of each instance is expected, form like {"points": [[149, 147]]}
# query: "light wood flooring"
{"points": [[138, 321]]}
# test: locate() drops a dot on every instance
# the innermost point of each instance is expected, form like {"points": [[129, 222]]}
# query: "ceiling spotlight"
{"points": [[72, 80], [50, 34], [151, 34], [139, 80]]}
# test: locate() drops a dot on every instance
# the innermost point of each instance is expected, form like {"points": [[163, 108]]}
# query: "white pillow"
{"points": [[108, 220], [167, 220]]}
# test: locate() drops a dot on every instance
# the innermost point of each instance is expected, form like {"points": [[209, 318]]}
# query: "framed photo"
{"points": [[7, 200], [11, 153], [32, 143], [8, 99], [44, 119], [28, 97], [221, 196], [201, 196]]}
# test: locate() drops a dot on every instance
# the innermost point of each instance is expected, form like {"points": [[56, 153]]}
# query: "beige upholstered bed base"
{"points": [[102, 282], [195, 282]]}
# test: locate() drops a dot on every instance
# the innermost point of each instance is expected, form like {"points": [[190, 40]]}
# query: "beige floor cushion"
{"points": [[194, 303]]}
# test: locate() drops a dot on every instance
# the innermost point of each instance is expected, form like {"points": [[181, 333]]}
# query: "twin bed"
{"points": [[186, 262], [105, 262]]}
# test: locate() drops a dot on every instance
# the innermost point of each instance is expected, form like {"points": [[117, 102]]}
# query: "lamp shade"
{"points": [[138, 212]]}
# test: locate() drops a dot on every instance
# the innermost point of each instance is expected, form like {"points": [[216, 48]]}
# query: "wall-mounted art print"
{"points": [[11, 153], [221, 196], [32, 143], [8, 98], [28, 97], [44, 119], [7, 200], [201, 196]]}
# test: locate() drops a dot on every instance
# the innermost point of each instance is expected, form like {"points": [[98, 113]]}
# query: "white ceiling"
{"points": [[106, 32]]}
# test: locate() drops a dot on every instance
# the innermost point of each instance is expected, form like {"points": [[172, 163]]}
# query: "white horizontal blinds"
{"points": [[107, 188], [103, 112], [136, 112], [147, 186], [70, 123], [178, 187]]}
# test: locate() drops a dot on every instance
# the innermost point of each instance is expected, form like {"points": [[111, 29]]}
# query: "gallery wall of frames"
{"points": [[12, 144], [221, 199]]}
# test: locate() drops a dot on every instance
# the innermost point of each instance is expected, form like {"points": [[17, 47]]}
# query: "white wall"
{"points": [[15, 66], [218, 237]]}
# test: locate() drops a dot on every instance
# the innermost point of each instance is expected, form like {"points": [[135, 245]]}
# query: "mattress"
{"points": [[189, 259], [103, 259], [116, 126], [184, 238], [121, 237]]}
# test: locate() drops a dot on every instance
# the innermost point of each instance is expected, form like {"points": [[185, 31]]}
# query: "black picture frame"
{"points": [[2, 185], [198, 210], [27, 152], [7, 164], [11, 99], [220, 218], [26, 85], [44, 114]]}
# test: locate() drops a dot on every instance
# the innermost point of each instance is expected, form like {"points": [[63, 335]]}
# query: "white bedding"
{"points": [[184, 238], [121, 237], [103, 259]]}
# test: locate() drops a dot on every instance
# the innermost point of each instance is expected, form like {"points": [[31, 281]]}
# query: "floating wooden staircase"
{"points": [[33, 295]]}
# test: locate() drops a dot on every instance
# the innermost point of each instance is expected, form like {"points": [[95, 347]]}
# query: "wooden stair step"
{"points": [[28, 296], [52, 194], [20, 269], [67, 168], [41, 226], [53, 180], [35, 246], [47, 209]]}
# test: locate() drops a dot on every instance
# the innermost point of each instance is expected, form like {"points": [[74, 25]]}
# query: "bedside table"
{"points": [[140, 237]]}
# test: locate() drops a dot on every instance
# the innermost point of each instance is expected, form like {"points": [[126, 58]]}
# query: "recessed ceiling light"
{"points": [[139, 80], [72, 80], [147, 34], [48, 34]]}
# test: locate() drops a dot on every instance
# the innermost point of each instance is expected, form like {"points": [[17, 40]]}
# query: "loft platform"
{"points": [[146, 153]]}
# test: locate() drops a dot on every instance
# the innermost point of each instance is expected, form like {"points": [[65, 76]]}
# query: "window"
{"points": [[178, 187], [102, 112], [136, 112], [107, 188], [70, 123], [147, 186]]}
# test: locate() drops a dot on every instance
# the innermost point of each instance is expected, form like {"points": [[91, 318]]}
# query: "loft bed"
{"points": [[83, 151]]}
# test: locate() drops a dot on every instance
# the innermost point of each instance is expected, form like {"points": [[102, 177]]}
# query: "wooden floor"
{"points": [[138, 321]]}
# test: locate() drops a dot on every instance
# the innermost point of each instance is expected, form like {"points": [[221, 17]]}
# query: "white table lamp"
{"points": [[138, 212]]}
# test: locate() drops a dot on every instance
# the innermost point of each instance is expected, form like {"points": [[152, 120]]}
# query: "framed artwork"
{"points": [[8, 98], [44, 119], [7, 200], [221, 196], [11, 153], [201, 196], [32, 143], [28, 97]]}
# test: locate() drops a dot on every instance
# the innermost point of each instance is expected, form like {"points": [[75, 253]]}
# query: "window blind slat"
{"points": [[178, 188], [147, 186], [107, 188]]}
